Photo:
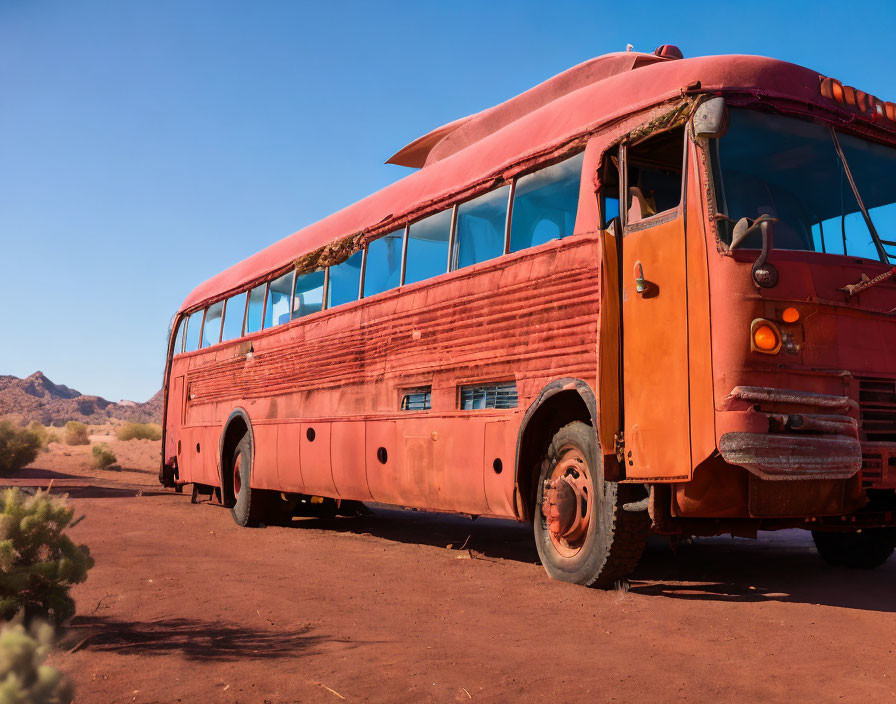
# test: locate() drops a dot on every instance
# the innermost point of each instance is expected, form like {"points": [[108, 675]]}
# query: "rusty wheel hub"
{"points": [[237, 476], [567, 500]]}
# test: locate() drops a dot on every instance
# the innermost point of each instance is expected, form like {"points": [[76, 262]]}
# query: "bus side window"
{"points": [[179, 338], [211, 328], [309, 294], [279, 295], [256, 309], [654, 174], [194, 329], [382, 270], [481, 223], [233, 317], [345, 279], [545, 204], [428, 247]]}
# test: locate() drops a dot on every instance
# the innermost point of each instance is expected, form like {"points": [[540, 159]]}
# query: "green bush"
{"points": [[102, 457], [76, 433], [46, 435], [139, 431], [24, 678], [38, 563], [18, 447]]}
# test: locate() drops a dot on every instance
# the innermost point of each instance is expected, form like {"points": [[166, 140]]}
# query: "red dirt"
{"points": [[184, 606]]}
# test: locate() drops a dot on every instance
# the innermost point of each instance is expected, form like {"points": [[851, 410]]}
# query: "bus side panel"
{"points": [[347, 443], [429, 462], [460, 483], [207, 465], [264, 464], [289, 470], [500, 451], [174, 416], [314, 457]]}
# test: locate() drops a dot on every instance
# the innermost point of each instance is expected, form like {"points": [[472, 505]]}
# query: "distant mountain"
{"points": [[37, 398]]}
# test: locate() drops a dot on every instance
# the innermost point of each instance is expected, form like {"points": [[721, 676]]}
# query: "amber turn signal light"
{"points": [[765, 337], [790, 315]]}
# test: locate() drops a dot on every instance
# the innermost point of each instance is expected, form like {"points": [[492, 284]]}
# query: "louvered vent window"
{"points": [[417, 399], [479, 396]]}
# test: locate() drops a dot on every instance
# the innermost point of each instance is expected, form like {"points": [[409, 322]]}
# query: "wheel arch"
{"points": [[560, 402], [236, 425]]}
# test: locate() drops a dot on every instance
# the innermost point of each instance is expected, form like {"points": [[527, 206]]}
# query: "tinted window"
{"points": [[179, 340], [309, 296], [211, 330], [194, 328], [383, 268], [279, 295], [480, 228], [233, 317], [428, 247], [345, 278], [545, 204], [256, 308]]}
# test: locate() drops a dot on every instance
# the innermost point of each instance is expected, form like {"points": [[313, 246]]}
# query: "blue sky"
{"points": [[145, 146]]}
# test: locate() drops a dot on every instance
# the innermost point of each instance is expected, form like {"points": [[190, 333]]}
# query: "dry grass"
{"points": [[139, 431], [44, 433], [103, 457], [18, 447], [76, 433]]}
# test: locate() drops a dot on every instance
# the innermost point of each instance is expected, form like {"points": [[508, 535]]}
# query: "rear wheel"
{"points": [[582, 533], [253, 507], [867, 549]]}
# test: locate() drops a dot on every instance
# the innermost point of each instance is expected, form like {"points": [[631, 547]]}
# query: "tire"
{"points": [[595, 545], [865, 550], [254, 507]]}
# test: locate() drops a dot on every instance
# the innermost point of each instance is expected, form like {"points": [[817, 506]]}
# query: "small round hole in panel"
{"points": [[310, 434], [197, 447], [382, 455], [498, 465]]}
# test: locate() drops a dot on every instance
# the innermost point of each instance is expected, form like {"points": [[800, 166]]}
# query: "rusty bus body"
{"points": [[648, 369]]}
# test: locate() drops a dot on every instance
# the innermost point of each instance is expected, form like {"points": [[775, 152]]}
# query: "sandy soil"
{"points": [[184, 606]]}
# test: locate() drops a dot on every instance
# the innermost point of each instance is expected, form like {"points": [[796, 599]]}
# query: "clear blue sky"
{"points": [[145, 146]]}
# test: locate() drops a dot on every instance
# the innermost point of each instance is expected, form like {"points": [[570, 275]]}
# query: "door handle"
{"points": [[640, 281]]}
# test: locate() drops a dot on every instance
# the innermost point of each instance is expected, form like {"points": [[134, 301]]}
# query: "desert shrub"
{"points": [[139, 431], [38, 562], [23, 675], [102, 457], [76, 433], [18, 447], [46, 436]]}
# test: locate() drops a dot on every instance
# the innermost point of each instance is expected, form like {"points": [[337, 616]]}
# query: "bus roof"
{"points": [[570, 104]]}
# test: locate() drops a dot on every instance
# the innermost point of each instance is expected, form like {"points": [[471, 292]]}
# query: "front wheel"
{"points": [[867, 549], [582, 533]]}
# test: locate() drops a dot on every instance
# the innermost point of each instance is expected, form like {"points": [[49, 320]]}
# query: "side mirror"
{"points": [[764, 273], [711, 118]]}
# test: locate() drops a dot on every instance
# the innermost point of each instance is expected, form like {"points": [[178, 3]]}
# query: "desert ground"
{"points": [[403, 606]]}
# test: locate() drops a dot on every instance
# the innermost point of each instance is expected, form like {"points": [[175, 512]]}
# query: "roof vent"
{"points": [[669, 51]]}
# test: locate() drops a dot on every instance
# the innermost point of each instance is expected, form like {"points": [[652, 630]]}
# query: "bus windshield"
{"points": [[791, 170]]}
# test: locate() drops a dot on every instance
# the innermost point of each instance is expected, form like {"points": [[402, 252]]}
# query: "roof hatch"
{"points": [[448, 139]]}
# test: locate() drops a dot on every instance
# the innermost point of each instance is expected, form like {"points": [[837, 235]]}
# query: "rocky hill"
{"points": [[37, 398]]}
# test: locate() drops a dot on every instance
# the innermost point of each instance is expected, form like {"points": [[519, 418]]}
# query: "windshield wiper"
{"points": [[881, 252]]}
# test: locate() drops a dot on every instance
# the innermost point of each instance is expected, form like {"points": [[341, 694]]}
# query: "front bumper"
{"points": [[779, 456], [805, 435]]}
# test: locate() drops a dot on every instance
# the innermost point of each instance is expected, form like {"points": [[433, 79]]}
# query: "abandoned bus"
{"points": [[649, 294]]}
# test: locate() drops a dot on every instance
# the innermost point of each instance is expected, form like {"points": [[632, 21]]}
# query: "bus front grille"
{"points": [[877, 405]]}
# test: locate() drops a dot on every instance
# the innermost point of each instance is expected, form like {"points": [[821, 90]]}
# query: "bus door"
{"points": [[653, 292]]}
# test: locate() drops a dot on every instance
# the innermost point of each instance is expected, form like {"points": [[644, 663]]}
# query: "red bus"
{"points": [[494, 335]]}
